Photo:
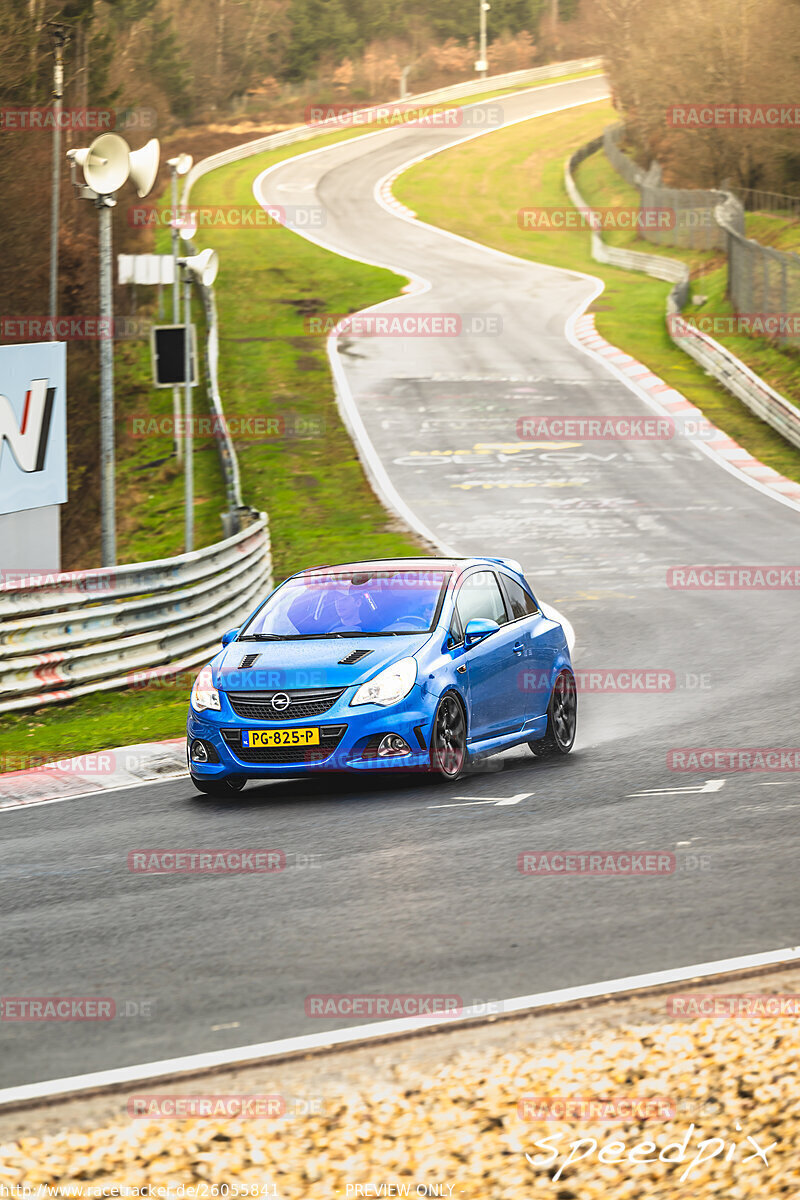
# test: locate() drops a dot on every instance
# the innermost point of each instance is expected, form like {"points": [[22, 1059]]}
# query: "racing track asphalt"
{"points": [[406, 897]]}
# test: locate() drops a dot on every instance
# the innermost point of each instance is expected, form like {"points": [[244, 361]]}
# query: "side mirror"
{"points": [[229, 636], [478, 629]]}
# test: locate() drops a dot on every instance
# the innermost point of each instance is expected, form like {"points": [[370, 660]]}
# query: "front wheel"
{"points": [[449, 739], [562, 719], [228, 786]]}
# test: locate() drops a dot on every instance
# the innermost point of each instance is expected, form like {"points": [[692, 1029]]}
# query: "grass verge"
{"points": [[600, 185], [478, 190]]}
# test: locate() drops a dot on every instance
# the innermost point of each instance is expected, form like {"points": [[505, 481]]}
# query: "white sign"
{"points": [[145, 268], [33, 426]]}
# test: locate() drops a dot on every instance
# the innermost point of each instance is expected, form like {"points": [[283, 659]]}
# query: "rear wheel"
{"points": [[228, 786], [562, 719], [449, 739]]}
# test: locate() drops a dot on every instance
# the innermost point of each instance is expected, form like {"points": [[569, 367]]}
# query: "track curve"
{"points": [[416, 887]]}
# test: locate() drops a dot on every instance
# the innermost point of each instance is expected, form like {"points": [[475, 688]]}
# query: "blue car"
{"points": [[412, 663]]}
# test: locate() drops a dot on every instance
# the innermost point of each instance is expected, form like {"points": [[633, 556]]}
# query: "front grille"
{"points": [[330, 739], [257, 706]]}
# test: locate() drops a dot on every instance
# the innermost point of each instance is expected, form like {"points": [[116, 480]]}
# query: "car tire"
{"points": [[228, 786], [562, 719], [449, 754]]}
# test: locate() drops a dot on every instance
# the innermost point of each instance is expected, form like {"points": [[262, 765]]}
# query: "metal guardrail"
{"points": [[88, 631], [761, 279], [456, 91], [714, 358]]}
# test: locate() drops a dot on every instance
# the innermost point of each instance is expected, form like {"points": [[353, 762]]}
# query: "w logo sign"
{"points": [[28, 438], [33, 433]]}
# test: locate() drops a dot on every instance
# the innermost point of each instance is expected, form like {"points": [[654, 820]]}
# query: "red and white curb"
{"points": [[390, 201], [94, 774], [673, 403]]}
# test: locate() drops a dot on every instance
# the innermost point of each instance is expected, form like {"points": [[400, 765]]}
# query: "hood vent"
{"points": [[248, 661], [353, 657]]}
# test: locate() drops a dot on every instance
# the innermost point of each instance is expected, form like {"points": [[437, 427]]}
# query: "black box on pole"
{"points": [[167, 345]]}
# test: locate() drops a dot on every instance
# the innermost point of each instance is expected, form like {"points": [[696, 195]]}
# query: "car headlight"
{"points": [[204, 694], [391, 685]]}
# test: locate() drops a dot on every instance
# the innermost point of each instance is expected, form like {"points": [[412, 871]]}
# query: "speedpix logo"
{"points": [[28, 438]]}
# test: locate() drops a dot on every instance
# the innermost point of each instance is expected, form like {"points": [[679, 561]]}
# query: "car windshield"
{"points": [[356, 603]]}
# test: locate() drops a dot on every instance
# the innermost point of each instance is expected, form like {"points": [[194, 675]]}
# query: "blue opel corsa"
{"points": [[411, 663]]}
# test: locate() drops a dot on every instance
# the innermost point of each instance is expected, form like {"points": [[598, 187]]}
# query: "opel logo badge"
{"points": [[280, 701]]}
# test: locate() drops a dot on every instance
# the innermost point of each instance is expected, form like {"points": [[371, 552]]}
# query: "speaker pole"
{"points": [[188, 500], [176, 309], [108, 524], [60, 37]]}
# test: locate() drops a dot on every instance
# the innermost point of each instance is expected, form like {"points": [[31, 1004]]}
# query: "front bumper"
{"points": [[348, 736]]}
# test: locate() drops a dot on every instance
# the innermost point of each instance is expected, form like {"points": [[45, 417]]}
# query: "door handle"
{"points": [[461, 670], [519, 647]]}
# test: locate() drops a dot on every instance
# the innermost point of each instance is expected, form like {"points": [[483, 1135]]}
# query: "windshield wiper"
{"points": [[262, 637]]}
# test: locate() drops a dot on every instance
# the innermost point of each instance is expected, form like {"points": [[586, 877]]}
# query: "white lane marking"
{"points": [[497, 801], [710, 785], [166, 1068], [230, 1025], [15, 805]]}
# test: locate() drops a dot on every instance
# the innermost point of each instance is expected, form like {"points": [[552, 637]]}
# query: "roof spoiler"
{"points": [[511, 563]]}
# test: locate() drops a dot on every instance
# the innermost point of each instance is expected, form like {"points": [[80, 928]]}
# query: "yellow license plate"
{"points": [[280, 737]]}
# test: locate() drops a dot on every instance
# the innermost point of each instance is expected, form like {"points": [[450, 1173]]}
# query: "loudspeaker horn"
{"points": [[105, 163], [144, 166], [204, 265], [182, 163]]}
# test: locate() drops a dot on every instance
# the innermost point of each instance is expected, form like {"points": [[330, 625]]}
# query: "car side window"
{"points": [[480, 596], [520, 603]]}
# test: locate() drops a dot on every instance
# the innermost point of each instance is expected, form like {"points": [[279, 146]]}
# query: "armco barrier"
{"points": [[714, 358], [68, 635], [456, 91]]}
